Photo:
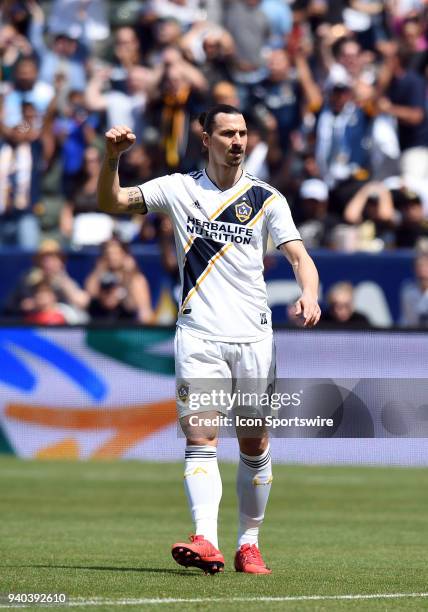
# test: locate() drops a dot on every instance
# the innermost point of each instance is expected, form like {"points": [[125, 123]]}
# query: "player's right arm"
{"points": [[112, 198]]}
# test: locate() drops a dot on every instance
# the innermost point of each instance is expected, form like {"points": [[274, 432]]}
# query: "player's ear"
{"points": [[205, 139]]}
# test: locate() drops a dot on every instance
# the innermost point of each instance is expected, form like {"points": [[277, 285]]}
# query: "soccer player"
{"points": [[221, 217]]}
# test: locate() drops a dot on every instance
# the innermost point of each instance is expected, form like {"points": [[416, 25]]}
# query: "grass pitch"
{"points": [[104, 530]]}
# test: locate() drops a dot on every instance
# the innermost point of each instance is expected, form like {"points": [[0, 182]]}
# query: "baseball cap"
{"points": [[338, 78], [314, 189]]}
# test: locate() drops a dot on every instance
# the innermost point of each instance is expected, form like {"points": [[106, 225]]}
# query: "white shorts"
{"points": [[203, 366]]}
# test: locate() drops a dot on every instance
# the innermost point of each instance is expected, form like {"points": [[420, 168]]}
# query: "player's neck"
{"points": [[222, 176]]}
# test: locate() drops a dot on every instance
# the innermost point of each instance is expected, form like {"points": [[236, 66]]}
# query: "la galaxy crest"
{"points": [[183, 392], [243, 211]]}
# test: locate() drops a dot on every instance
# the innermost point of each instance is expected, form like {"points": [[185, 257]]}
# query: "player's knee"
{"points": [[197, 437], [201, 432], [254, 446], [206, 441]]}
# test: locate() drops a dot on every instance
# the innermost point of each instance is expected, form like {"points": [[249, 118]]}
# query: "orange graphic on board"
{"points": [[131, 424]]}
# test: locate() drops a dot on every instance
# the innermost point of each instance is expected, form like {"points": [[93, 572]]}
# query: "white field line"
{"points": [[102, 601]]}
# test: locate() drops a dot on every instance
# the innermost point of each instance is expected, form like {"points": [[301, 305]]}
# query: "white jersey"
{"points": [[221, 239]]}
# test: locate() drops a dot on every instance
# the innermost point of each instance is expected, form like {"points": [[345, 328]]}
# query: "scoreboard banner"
{"points": [[97, 393]]}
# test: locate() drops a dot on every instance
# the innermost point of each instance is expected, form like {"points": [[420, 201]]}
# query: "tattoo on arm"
{"points": [[136, 200], [113, 163]]}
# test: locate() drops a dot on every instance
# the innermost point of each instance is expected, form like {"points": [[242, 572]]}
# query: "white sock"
{"points": [[202, 483], [253, 488]]}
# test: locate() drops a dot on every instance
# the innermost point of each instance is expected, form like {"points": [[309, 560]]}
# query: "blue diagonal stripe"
{"points": [[197, 258]]}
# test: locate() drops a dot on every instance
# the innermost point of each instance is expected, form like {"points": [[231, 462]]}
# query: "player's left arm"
{"points": [[307, 277]]}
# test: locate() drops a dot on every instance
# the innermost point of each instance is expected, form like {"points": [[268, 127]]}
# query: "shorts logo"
{"points": [[243, 211], [183, 392], [263, 318]]}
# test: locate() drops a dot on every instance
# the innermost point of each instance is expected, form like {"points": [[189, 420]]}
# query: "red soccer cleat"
{"points": [[200, 553], [248, 559]]}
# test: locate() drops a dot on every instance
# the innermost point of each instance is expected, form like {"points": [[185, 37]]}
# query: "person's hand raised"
{"points": [[119, 138]]}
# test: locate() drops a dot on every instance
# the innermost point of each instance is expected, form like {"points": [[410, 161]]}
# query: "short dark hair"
{"points": [[207, 119], [337, 46]]}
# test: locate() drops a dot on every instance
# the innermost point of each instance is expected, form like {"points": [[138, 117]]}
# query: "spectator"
{"points": [[405, 99], [280, 20], [49, 269], [286, 97], [65, 56], [382, 141], [18, 167], [15, 13], [121, 107], [365, 17], [225, 92], [250, 30], [212, 48], [46, 310], [413, 224], [356, 209], [138, 165], [256, 160], [342, 133], [116, 259], [182, 92], [81, 221], [372, 209], [110, 302], [338, 48], [414, 42], [414, 295], [340, 312], [127, 54], [314, 221], [166, 32], [73, 128], [13, 46], [86, 21], [219, 50], [404, 8], [26, 87]]}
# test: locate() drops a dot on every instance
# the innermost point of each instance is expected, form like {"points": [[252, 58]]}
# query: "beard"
{"points": [[235, 158], [233, 163]]}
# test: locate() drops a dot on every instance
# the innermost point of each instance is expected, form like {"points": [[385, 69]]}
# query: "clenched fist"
{"points": [[119, 138]]}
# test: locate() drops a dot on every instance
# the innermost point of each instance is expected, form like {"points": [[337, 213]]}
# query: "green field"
{"points": [[104, 530]]}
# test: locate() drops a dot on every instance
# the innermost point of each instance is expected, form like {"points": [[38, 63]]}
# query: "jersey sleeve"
{"points": [[157, 194], [279, 221]]}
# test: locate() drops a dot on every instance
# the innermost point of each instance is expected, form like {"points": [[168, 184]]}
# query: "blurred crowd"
{"points": [[115, 290], [334, 93]]}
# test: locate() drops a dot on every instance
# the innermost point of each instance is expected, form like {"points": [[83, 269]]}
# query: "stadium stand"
{"points": [[335, 96]]}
